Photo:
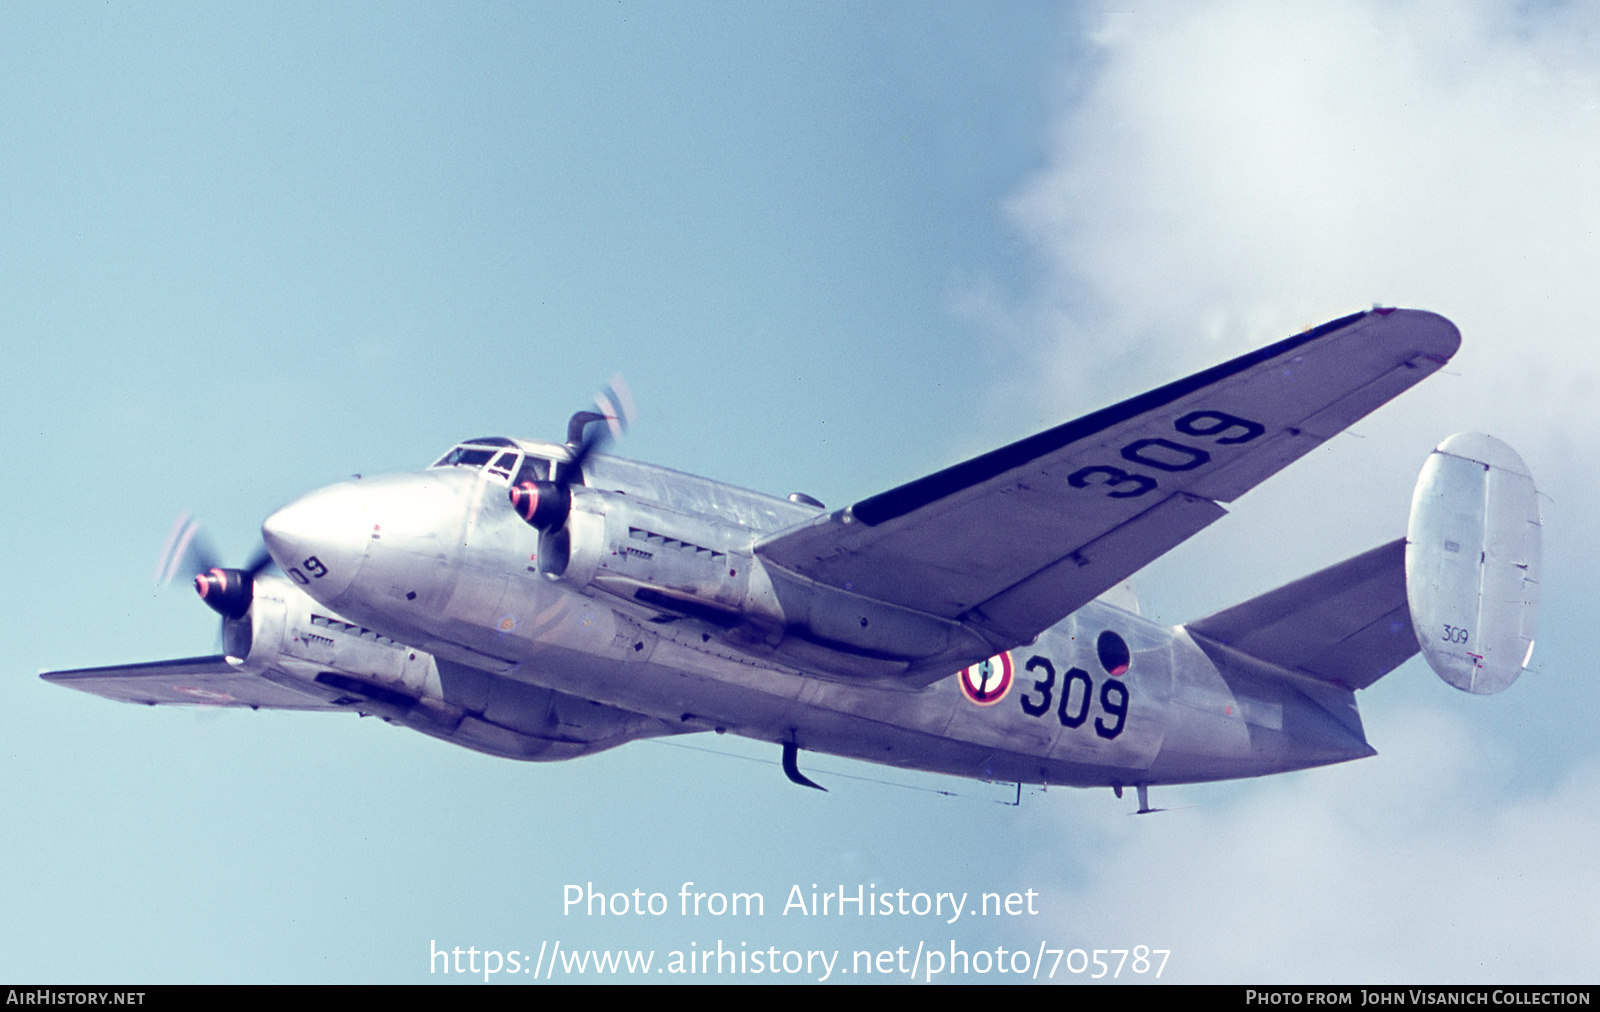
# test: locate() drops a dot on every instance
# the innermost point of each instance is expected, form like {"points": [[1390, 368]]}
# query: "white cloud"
{"points": [[1400, 868], [1232, 173], [1237, 171]]}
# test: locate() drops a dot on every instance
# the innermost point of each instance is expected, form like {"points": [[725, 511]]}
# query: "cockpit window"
{"points": [[495, 461], [533, 469], [466, 456], [499, 459], [504, 464]]}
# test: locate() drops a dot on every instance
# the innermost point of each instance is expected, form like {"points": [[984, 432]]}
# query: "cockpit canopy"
{"points": [[502, 458]]}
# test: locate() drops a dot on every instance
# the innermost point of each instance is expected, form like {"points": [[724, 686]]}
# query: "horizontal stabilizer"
{"points": [[193, 681], [1348, 624]]}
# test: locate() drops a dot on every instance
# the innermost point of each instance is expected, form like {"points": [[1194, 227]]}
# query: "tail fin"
{"points": [[1348, 625], [1462, 587], [1472, 562]]}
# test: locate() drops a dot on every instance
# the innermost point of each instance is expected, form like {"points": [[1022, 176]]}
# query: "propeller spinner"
{"points": [[229, 592]]}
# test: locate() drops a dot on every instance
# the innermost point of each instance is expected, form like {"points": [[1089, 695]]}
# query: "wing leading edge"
{"points": [[1012, 541]]}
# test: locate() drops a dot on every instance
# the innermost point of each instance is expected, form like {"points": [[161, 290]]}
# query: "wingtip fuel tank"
{"points": [[1472, 562]]}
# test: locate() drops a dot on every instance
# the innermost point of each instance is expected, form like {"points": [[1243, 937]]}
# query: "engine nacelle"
{"points": [[674, 562], [289, 635], [658, 557], [1472, 562]]}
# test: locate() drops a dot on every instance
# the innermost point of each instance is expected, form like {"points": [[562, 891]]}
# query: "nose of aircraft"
{"points": [[320, 540]]}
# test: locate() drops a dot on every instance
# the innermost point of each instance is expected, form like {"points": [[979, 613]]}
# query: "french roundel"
{"points": [[987, 682]]}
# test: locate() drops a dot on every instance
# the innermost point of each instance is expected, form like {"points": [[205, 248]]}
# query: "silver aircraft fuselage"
{"points": [[438, 560]]}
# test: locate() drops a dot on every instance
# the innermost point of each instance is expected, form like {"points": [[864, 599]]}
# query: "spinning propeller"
{"points": [[545, 505], [226, 591]]}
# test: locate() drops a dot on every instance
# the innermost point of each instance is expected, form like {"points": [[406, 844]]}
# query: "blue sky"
{"points": [[246, 252]]}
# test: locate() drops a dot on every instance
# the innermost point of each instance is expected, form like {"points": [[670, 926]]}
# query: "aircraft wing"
{"points": [[1012, 541], [205, 681]]}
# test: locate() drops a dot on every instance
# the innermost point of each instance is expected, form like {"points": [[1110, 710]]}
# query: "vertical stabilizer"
{"points": [[1472, 562]]}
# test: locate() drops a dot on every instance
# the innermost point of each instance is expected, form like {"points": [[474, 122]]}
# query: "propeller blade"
{"points": [[258, 563], [616, 405], [616, 410], [186, 551]]}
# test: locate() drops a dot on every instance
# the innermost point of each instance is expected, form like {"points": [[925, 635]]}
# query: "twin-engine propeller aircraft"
{"points": [[545, 601]]}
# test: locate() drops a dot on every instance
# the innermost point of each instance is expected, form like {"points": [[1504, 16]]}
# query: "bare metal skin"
{"points": [[543, 601]]}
